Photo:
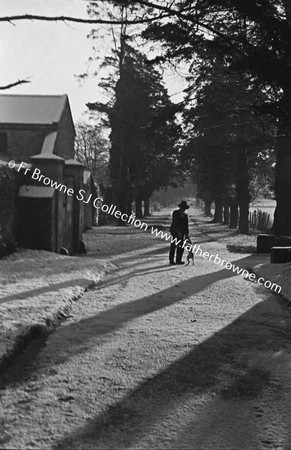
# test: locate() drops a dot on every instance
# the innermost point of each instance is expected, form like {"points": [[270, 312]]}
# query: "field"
{"points": [[264, 204]]}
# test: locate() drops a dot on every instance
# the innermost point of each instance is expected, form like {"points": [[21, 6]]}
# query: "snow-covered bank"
{"points": [[37, 288], [279, 274], [36, 291]]}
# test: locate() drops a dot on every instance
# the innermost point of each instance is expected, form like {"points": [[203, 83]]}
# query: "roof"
{"points": [[73, 162], [31, 109]]}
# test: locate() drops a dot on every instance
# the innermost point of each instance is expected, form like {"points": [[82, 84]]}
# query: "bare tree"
{"points": [[91, 149]]}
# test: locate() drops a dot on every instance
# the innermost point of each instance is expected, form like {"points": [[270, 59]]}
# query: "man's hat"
{"points": [[183, 205]]}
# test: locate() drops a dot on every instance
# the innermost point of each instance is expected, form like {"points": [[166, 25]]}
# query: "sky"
{"points": [[52, 54]]}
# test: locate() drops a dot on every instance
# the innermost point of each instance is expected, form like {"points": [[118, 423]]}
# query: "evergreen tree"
{"points": [[253, 37], [141, 117], [227, 142], [144, 132]]}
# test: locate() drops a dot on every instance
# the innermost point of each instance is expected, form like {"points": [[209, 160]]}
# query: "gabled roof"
{"points": [[31, 109]]}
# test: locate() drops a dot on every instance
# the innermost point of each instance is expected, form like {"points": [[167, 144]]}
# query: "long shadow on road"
{"points": [[28, 295], [224, 356], [131, 274], [114, 318]]}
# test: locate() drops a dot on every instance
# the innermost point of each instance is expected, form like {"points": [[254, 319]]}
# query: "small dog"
{"points": [[190, 252]]}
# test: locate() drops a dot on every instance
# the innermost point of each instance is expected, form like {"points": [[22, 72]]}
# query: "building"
{"points": [[38, 130]]}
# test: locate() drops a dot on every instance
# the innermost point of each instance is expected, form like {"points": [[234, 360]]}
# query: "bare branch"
{"points": [[80, 20], [165, 11], [8, 86]]}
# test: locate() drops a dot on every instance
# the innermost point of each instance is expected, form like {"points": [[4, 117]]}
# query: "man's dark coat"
{"points": [[179, 223]]}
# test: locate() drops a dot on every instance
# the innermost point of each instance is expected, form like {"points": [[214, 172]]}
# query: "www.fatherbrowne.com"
{"points": [[97, 203], [196, 249]]}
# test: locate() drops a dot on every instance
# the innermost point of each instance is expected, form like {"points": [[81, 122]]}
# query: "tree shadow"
{"points": [[114, 318], [144, 253], [28, 295], [241, 248], [131, 274], [162, 249], [30, 267], [223, 366]]}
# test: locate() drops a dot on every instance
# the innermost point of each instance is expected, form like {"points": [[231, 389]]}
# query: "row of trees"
{"points": [[230, 150], [239, 123], [252, 39], [252, 42]]}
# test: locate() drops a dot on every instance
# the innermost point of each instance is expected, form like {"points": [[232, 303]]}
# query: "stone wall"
{"points": [[65, 142], [9, 183], [21, 144]]}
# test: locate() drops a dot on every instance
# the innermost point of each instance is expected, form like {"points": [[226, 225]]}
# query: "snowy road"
{"points": [[159, 356]]}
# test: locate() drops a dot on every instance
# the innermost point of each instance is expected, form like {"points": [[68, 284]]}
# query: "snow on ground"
{"points": [[160, 356], [279, 274], [36, 287], [112, 240]]}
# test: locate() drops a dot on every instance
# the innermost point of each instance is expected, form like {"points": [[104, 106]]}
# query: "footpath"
{"points": [[159, 356], [38, 288]]}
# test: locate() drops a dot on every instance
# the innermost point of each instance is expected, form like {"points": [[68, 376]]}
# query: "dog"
{"points": [[190, 252]]}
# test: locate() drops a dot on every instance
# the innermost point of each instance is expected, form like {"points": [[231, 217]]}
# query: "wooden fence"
{"points": [[260, 220]]}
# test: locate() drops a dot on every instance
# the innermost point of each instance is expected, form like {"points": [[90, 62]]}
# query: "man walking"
{"points": [[179, 230]]}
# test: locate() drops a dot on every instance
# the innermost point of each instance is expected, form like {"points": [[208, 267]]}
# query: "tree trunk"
{"points": [[138, 208], [218, 211], [129, 207], [288, 10], [107, 195], [243, 191], [207, 208], [123, 192], [226, 214], [244, 216], [147, 207], [282, 216], [233, 220]]}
